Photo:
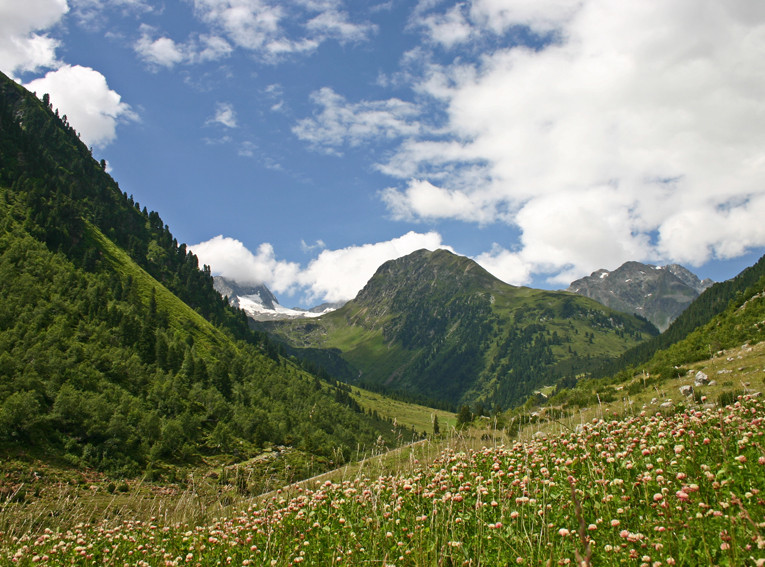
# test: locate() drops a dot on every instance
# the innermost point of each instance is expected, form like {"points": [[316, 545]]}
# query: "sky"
{"points": [[302, 143]]}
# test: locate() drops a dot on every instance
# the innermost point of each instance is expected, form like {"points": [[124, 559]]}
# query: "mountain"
{"points": [[116, 352], [436, 325], [713, 302], [260, 304], [719, 337], [658, 293]]}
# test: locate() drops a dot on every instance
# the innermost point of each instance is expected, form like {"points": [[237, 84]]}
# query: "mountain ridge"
{"points": [[436, 324], [260, 304], [116, 352], [658, 293]]}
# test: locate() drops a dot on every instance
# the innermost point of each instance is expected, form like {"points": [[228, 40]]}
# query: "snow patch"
{"points": [[253, 306]]}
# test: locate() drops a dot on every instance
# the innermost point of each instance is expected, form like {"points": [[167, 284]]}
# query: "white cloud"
{"points": [[542, 16], [229, 258], [225, 115], [276, 29], [335, 25], [83, 95], [338, 275], [213, 48], [506, 265], [94, 14], [449, 29], [340, 122], [635, 132], [165, 52], [159, 52], [334, 275], [22, 48], [424, 200]]}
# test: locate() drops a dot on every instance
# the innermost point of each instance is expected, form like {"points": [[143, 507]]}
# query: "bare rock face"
{"points": [[658, 293]]}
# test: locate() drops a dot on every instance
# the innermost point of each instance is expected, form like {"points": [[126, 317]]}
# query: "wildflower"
{"points": [[563, 532]]}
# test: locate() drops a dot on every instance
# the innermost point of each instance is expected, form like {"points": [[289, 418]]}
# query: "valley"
{"points": [[144, 419]]}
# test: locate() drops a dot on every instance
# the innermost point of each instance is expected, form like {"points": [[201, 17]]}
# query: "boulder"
{"points": [[686, 391], [701, 379]]}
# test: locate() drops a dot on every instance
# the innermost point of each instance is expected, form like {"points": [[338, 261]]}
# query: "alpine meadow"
{"points": [[441, 417]]}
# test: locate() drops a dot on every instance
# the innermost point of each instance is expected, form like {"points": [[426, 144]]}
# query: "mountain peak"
{"points": [[257, 301], [658, 293], [426, 270]]}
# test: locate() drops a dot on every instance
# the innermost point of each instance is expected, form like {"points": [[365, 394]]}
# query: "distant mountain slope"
{"points": [[728, 318], [437, 325], [658, 293], [115, 350], [260, 304], [711, 303]]}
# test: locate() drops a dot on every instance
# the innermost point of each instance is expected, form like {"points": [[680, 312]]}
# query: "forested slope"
{"points": [[435, 325], [115, 350], [711, 303]]}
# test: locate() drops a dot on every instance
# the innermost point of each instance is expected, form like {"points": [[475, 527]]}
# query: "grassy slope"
{"points": [[360, 338], [405, 414], [207, 337]]}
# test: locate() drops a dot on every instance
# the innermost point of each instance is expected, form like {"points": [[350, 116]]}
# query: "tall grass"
{"points": [[650, 489]]}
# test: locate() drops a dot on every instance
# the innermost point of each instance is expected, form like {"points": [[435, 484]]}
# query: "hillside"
{"points": [[658, 293], [116, 352], [437, 325], [714, 301], [730, 318]]}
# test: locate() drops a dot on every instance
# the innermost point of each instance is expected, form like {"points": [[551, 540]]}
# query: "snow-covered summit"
{"points": [[260, 304]]}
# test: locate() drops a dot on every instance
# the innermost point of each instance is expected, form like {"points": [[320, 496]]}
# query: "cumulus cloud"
{"points": [[627, 131], [94, 14], [165, 52], [229, 258], [91, 107], [448, 29], [225, 115], [335, 25], [22, 47], [338, 275], [263, 26], [159, 52], [340, 122], [334, 275], [422, 199]]}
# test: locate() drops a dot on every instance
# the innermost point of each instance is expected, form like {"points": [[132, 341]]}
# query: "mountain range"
{"points": [[434, 324], [257, 301], [118, 352], [658, 293]]}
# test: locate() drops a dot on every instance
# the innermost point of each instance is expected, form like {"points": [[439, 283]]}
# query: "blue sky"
{"points": [[301, 143]]}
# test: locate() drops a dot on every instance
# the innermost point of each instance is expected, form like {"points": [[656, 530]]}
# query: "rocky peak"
{"points": [[658, 293]]}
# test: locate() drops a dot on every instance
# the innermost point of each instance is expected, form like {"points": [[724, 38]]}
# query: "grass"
{"points": [[677, 489], [626, 482], [406, 414]]}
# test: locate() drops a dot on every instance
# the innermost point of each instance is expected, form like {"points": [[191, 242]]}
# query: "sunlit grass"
{"points": [[682, 488]]}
